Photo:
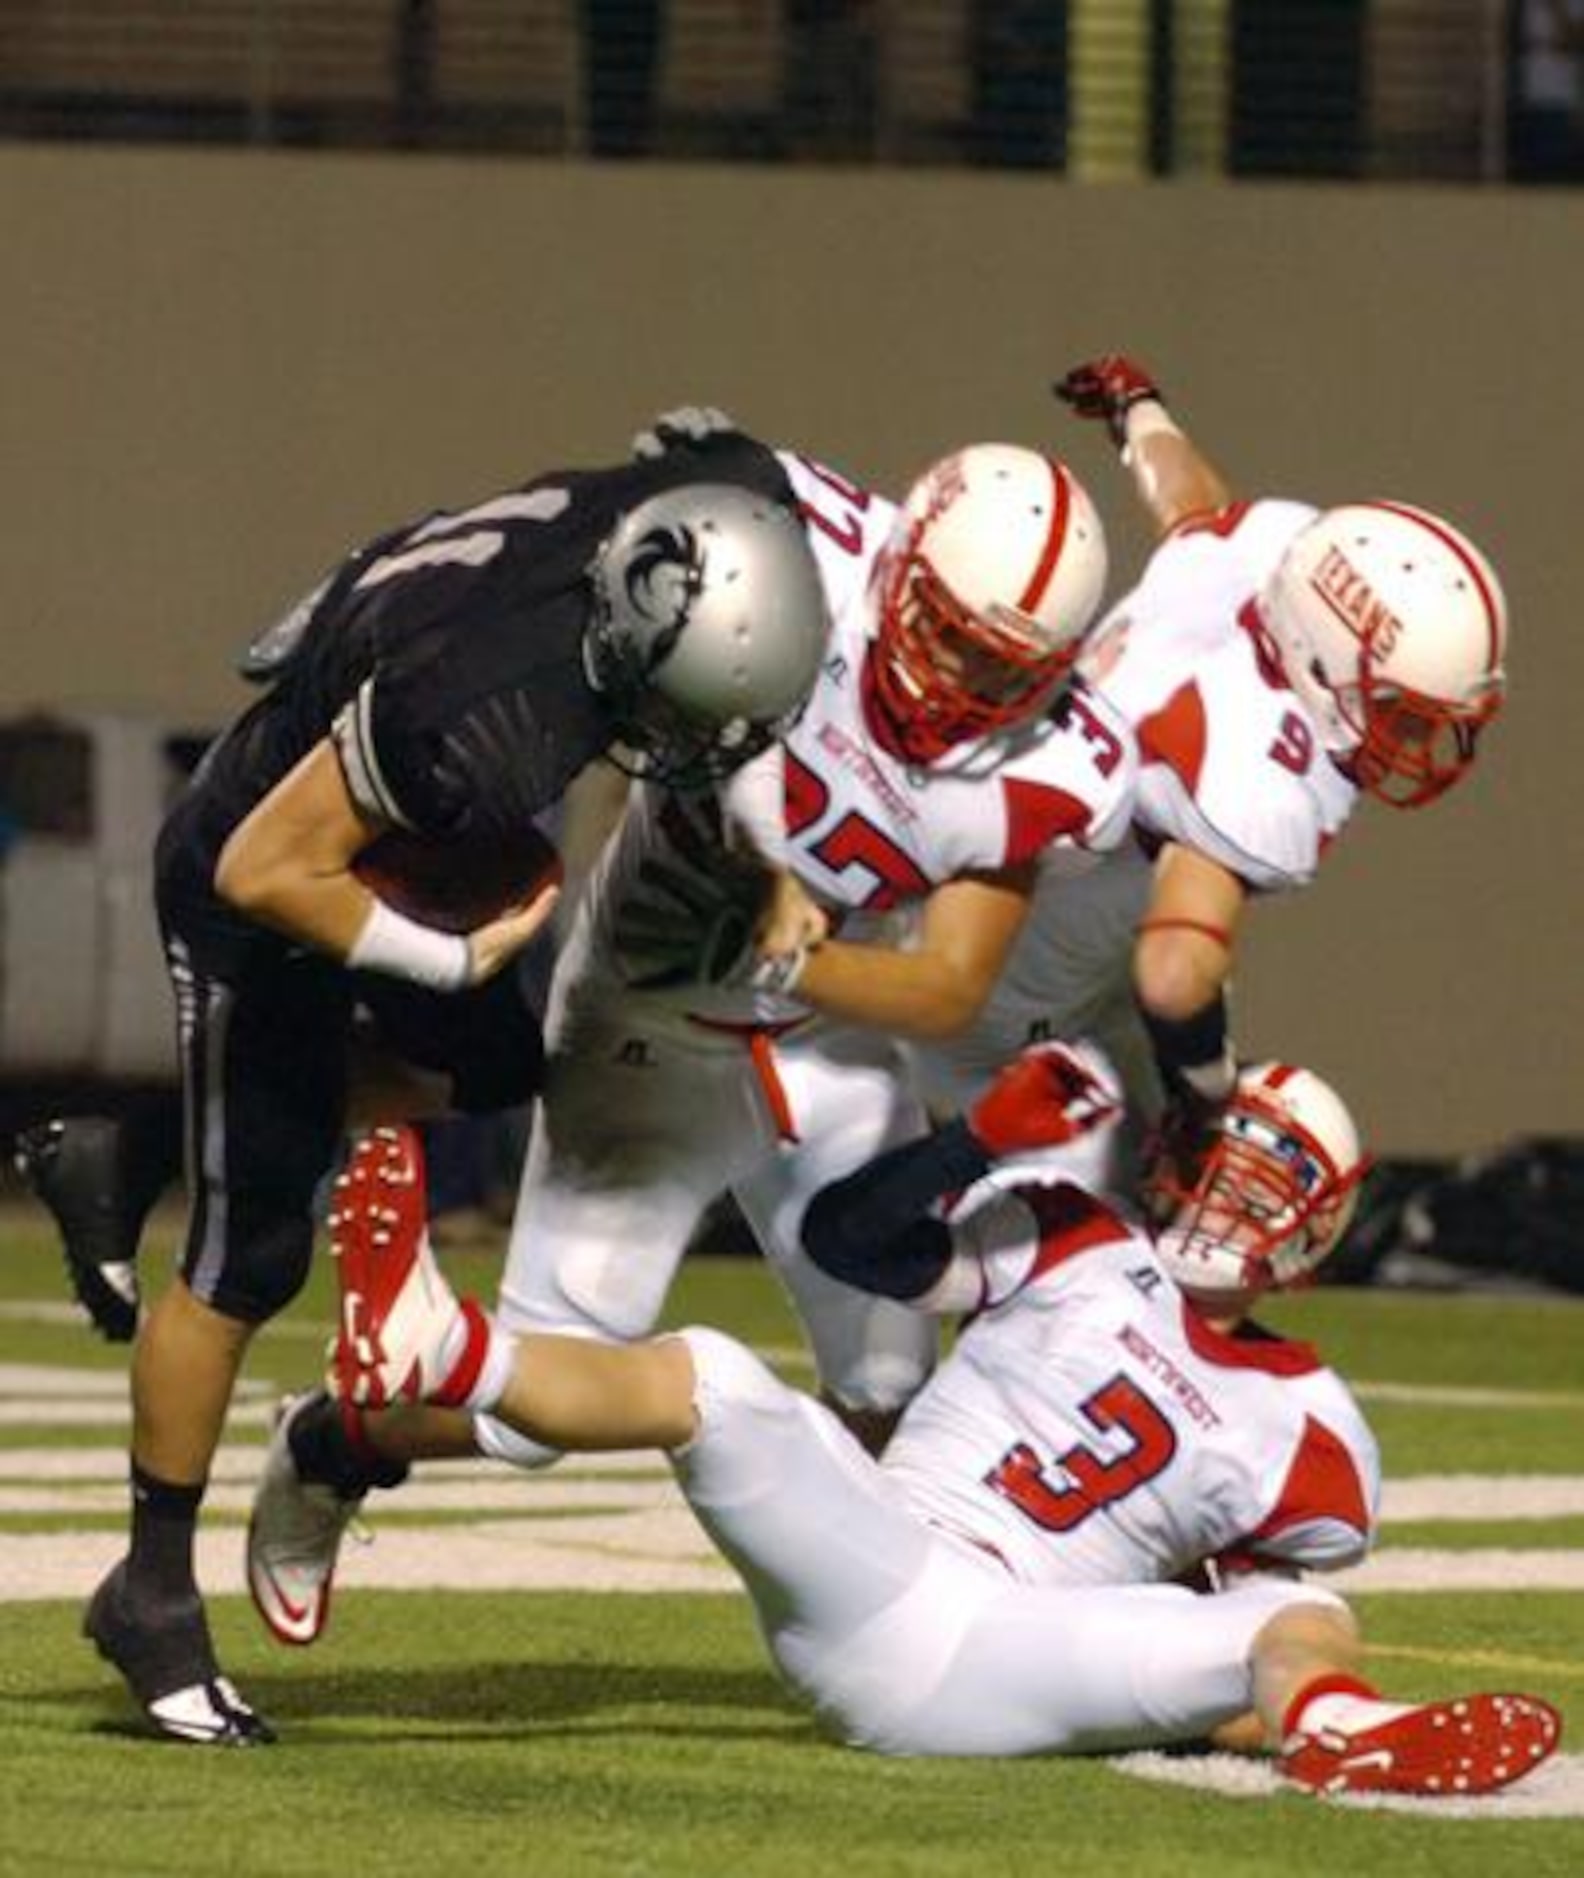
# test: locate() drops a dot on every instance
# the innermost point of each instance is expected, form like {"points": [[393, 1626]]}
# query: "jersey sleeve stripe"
{"points": [[1321, 1494], [353, 735], [1037, 815], [1176, 735]]}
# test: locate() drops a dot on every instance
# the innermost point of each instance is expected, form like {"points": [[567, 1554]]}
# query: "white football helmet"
{"points": [[709, 624], [1392, 628], [1275, 1192], [985, 590]]}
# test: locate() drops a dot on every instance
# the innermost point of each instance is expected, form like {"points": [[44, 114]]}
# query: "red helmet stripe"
{"points": [[1055, 540], [1460, 548]]}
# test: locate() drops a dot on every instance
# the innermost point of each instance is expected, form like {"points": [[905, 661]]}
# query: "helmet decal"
{"points": [[663, 577], [707, 626]]}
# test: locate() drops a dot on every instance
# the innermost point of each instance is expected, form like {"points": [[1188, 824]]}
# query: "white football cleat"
{"points": [[1440, 1750], [404, 1335], [297, 1523]]}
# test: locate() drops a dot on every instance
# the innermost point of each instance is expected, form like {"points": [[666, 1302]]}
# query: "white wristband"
{"points": [[400, 947], [1148, 418]]}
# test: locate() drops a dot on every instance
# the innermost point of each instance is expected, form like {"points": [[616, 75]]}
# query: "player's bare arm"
{"points": [[1174, 479], [966, 932], [1187, 937], [288, 863]]}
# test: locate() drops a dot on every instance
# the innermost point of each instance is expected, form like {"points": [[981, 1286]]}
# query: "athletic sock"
{"points": [[164, 1526], [330, 1446], [1341, 1704]]}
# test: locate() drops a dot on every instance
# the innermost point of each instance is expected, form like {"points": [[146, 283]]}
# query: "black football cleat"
{"points": [[168, 1662], [76, 1165]]}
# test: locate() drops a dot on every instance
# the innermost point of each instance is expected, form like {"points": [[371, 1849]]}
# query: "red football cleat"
{"points": [[404, 1336], [1441, 1750]]}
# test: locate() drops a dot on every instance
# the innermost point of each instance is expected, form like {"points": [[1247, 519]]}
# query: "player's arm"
{"points": [[940, 986], [288, 865], [874, 1229], [1182, 960], [1174, 479]]}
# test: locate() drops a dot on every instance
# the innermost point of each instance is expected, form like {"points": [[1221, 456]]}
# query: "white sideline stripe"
{"points": [[525, 1497], [112, 1414], [647, 1552], [235, 1462], [1418, 1568], [1448, 1395], [1554, 1791], [1483, 1497], [32, 1380]]}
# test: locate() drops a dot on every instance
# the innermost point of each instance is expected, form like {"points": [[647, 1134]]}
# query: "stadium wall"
{"points": [[222, 369]]}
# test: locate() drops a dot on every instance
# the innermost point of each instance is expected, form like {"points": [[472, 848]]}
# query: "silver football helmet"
{"points": [[1274, 1194], [708, 629]]}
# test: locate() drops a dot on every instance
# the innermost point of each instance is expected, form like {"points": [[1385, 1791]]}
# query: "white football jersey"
{"points": [[1230, 764], [1090, 1428], [866, 832], [1230, 760]]}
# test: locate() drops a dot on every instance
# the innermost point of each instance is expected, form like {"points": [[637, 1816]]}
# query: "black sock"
{"points": [[329, 1447], [164, 1523]]}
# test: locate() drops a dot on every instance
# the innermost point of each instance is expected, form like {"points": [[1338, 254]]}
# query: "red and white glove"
{"points": [[1108, 388], [1052, 1094]]}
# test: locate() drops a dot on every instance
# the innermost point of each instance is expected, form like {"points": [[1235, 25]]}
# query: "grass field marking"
{"points": [[33, 1382], [1504, 1662], [1418, 1568], [554, 1495], [1448, 1395], [1482, 1497], [1555, 1791]]}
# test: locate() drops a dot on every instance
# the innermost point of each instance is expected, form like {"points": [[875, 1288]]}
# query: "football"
{"points": [[456, 886]]}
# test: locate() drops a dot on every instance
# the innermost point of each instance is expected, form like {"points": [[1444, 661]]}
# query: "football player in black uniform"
{"points": [[449, 680]]}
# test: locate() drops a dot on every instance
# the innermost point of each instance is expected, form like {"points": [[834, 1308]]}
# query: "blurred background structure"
{"points": [[1444, 90]]}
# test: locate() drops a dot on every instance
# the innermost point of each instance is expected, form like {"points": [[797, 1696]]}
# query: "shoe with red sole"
{"points": [[1471, 1745], [404, 1336]]}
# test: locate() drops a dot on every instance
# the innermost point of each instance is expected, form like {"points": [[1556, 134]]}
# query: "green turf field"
{"points": [[573, 1731]]}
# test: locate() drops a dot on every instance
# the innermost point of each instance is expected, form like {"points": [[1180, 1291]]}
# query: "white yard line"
{"points": [[1555, 1791]]}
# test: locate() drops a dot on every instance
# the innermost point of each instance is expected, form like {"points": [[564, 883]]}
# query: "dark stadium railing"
{"points": [[1360, 90]]}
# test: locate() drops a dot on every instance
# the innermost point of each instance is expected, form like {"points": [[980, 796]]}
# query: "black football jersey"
{"points": [[446, 660]]}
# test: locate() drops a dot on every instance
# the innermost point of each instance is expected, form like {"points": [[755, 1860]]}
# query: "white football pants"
{"points": [[642, 1125], [910, 1643]]}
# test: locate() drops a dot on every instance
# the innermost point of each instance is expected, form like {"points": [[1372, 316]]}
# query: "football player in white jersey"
{"points": [[1005, 1580], [945, 748], [1274, 662]]}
